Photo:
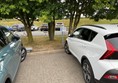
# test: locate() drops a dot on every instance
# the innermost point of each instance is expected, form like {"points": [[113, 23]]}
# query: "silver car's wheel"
{"points": [[23, 54], [66, 48], [87, 72]]}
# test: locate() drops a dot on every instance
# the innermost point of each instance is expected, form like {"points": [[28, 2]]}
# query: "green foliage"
{"points": [[46, 17], [21, 8], [106, 9], [25, 10], [75, 8], [53, 9], [101, 4]]}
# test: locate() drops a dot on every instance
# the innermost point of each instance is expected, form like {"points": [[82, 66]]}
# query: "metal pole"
{"points": [[62, 38]]}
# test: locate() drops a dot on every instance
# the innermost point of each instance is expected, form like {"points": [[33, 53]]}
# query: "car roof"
{"points": [[2, 26], [103, 29]]}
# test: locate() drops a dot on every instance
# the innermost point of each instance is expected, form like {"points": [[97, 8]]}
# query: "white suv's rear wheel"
{"points": [[87, 72]]}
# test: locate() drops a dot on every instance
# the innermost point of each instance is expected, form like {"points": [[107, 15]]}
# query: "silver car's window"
{"points": [[2, 40], [8, 34]]}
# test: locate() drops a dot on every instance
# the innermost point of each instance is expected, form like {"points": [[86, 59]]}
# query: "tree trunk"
{"points": [[29, 34], [76, 21], [51, 30], [70, 23]]}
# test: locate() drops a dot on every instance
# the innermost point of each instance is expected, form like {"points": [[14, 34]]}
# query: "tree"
{"points": [[26, 10], [53, 10], [74, 9], [105, 9]]}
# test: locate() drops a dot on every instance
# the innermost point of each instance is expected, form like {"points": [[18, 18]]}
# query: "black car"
{"points": [[44, 27]]}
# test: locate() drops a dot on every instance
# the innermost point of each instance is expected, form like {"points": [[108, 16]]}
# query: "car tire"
{"points": [[66, 47], [23, 54], [87, 72], [8, 81]]}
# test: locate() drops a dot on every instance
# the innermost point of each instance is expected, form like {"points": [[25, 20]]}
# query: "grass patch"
{"points": [[83, 21], [42, 43]]}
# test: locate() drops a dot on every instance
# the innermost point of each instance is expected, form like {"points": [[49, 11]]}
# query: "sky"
{"points": [[62, 0]]}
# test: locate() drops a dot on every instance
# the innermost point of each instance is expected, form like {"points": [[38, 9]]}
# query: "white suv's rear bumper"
{"points": [[102, 67], [110, 72]]}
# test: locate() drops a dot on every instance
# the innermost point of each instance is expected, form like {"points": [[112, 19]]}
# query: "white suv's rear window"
{"points": [[113, 39], [112, 45]]}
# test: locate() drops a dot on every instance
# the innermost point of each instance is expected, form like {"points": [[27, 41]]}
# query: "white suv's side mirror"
{"points": [[76, 33], [69, 34]]}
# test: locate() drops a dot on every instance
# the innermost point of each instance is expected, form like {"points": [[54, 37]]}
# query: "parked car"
{"points": [[58, 26], [34, 28], [44, 27], [11, 54], [14, 27], [96, 48], [18, 27], [9, 28]]}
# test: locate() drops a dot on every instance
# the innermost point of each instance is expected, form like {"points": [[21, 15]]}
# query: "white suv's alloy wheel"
{"points": [[87, 72], [66, 48]]}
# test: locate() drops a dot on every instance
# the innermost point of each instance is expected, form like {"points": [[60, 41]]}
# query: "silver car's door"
{"points": [[11, 53]]}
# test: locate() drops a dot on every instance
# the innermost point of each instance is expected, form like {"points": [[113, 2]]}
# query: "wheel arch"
{"points": [[83, 58], [8, 80]]}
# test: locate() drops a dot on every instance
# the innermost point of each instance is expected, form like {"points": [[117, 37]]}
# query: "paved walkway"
{"points": [[50, 67]]}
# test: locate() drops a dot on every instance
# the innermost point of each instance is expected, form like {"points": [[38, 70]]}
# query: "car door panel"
{"points": [[11, 59], [70, 43], [12, 53], [73, 39], [78, 47], [80, 43]]}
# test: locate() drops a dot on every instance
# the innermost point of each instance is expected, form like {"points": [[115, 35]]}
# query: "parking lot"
{"points": [[49, 67]]}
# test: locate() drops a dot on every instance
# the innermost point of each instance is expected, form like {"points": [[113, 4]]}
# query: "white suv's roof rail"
{"points": [[103, 29], [96, 26]]}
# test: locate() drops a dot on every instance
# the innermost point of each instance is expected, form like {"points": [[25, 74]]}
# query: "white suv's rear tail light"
{"points": [[110, 50], [112, 77]]}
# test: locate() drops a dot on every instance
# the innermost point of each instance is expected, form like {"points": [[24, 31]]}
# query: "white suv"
{"points": [[96, 48]]}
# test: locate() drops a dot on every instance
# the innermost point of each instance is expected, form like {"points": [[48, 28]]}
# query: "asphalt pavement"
{"points": [[50, 67]]}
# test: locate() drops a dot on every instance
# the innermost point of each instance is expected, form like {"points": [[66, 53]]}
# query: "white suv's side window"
{"points": [[84, 34], [77, 33], [92, 35], [87, 34]]}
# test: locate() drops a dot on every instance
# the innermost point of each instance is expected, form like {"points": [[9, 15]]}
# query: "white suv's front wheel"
{"points": [[66, 48]]}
